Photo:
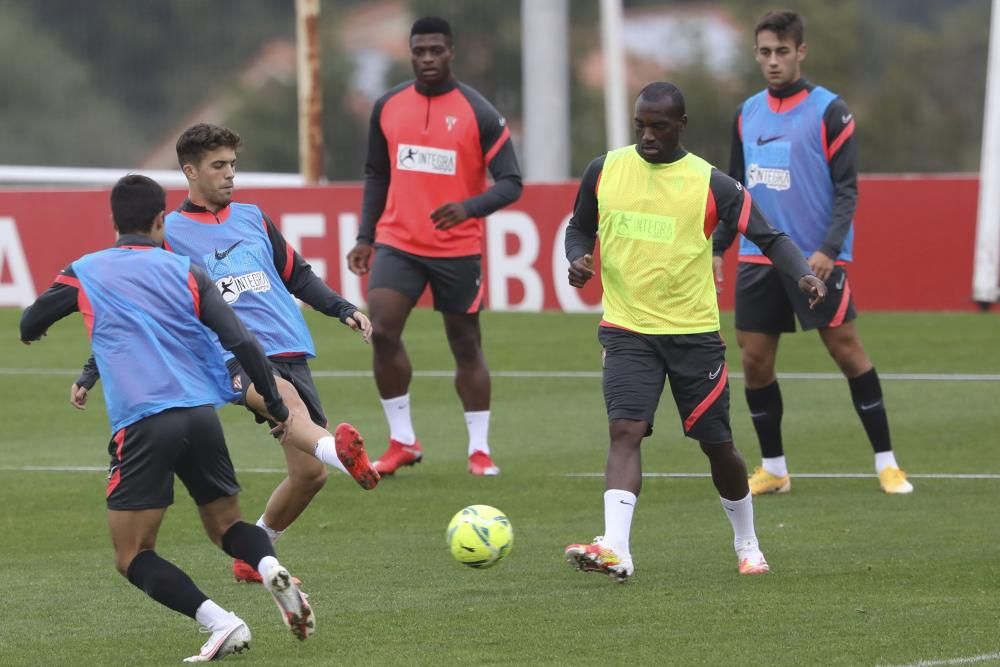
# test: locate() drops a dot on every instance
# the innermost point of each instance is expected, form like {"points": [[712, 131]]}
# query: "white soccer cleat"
{"points": [[292, 603], [597, 557], [234, 638], [751, 560]]}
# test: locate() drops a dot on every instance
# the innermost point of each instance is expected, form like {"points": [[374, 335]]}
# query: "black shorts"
{"points": [[146, 455], [768, 301], [296, 371], [456, 282], [636, 367]]}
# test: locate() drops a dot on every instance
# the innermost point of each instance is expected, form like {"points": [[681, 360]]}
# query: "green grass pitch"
{"points": [[858, 578]]}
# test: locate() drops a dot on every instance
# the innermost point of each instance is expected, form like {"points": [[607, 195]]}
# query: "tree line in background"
{"points": [[100, 83]]}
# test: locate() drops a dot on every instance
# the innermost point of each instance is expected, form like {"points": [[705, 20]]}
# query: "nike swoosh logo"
{"points": [[755, 415], [222, 255], [625, 503], [846, 119], [761, 140], [840, 283], [712, 376], [870, 406]]}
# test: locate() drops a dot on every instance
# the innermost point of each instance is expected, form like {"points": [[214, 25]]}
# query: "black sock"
{"points": [[766, 410], [247, 542], [866, 392], [165, 582]]}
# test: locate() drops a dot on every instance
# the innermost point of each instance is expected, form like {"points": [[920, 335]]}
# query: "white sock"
{"points": [[326, 451], [478, 424], [885, 460], [212, 616], [740, 513], [271, 532], [775, 466], [266, 566], [619, 506], [397, 413]]}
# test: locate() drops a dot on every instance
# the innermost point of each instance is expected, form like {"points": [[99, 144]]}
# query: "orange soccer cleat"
{"points": [[351, 452], [397, 456]]}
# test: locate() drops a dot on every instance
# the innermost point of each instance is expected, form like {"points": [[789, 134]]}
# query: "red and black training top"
{"points": [[428, 146]]}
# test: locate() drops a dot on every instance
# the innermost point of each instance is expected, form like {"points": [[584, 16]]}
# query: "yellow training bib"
{"points": [[656, 263]]}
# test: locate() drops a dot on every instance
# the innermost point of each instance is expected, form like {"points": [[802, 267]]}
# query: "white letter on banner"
{"points": [[21, 290], [519, 267], [350, 284], [297, 226], [567, 295]]}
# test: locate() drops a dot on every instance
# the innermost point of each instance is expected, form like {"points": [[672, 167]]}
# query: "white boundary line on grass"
{"points": [[6, 468], [952, 661], [921, 377], [808, 475], [681, 475]]}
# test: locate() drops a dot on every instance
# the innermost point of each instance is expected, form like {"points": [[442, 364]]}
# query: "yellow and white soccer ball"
{"points": [[479, 536]]}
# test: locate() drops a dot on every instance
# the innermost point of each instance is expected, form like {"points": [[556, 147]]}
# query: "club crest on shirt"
{"points": [[231, 287], [426, 159]]}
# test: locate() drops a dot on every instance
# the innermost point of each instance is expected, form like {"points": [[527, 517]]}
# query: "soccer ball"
{"points": [[479, 536]]}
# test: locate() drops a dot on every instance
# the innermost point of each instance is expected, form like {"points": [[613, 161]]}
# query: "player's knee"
{"points": [[123, 559], [309, 481], [469, 356], [850, 357], [756, 364], [719, 450], [627, 433], [385, 338]]}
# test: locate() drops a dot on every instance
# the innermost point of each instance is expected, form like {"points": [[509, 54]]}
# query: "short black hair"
{"points": [[431, 25], [135, 202], [202, 138], [784, 24], [660, 90]]}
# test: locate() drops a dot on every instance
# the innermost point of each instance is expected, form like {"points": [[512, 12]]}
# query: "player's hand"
{"points": [[359, 259], [717, 270], [581, 270], [282, 430], [814, 287], [821, 265], [358, 321], [78, 397], [449, 215]]}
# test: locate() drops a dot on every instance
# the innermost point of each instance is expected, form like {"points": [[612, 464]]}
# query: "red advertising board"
{"points": [[914, 242]]}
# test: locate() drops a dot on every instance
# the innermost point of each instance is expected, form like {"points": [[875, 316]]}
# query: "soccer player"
{"points": [[654, 206], [430, 144], [257, 272], [794, 149], [147, 311]]}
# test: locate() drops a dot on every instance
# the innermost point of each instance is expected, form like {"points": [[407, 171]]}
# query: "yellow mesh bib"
{"points": [[656, 264]]}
